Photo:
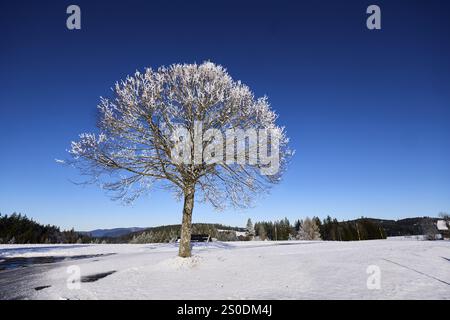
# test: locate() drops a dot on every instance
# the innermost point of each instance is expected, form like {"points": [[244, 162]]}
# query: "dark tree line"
{"points": [[360, 229], [19, 229], [330, 229], [276, 230]]}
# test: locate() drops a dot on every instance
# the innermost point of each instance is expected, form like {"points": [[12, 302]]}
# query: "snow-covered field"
{"points": [[408, 269]]}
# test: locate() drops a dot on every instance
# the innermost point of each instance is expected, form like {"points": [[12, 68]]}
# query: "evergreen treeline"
{"points": [[360, 229], [277, 230], [19, 229], [330, 229]]}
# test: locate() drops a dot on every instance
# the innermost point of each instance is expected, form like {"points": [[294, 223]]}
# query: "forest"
{"points": [[19, 229]]}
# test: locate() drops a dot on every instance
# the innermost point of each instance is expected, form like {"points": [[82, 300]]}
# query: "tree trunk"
{"points": [[186, 226]]}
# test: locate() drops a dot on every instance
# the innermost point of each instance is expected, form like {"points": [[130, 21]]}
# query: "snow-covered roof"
{"points": [[442, 225]]}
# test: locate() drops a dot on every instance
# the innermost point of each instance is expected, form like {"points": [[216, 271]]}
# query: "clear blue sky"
{"points": [[368, 112]]}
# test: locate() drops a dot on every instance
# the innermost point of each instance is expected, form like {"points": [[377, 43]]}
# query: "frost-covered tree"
{"points": [[262, 233], [309, 230], [249, 228], [148, 137], [144, 237]]}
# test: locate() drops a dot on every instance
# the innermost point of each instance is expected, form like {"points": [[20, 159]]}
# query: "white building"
{"points": [[443, 228]]}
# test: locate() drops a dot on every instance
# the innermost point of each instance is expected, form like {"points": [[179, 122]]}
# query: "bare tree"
{"points": [[445, 216], [165, 128], [429, 229]]}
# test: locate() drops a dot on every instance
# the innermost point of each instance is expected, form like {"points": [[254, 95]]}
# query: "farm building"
{"points": [[443, 229]]}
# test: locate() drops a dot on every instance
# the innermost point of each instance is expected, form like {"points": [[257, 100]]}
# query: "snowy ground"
{"points": [[235, 270]]}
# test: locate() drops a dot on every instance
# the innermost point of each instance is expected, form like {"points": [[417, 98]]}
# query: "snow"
{"points": [[442, 225], [414, 237], [409, 269]]}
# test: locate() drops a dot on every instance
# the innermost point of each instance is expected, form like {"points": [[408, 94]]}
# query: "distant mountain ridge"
{"points": [[119, 234], [112, 233]]}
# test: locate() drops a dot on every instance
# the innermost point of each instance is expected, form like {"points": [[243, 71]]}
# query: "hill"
{"points": [[112, 233], [19, 229], [172, 232], [406, 227]]}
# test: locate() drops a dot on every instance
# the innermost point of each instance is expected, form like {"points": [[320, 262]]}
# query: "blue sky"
{"points": [[368, 112]]}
